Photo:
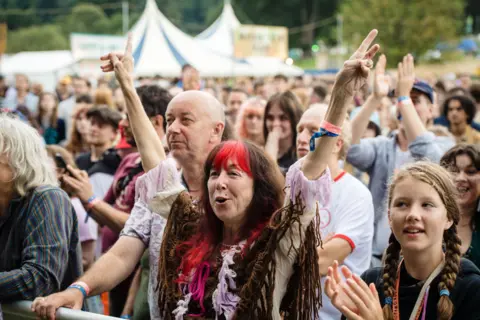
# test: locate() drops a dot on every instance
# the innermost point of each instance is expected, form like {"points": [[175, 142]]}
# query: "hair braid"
{"points": [[390, 274], [449, 272]]}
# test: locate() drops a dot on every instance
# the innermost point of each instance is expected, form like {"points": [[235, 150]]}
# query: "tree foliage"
{"points": [[404, 26], [291, 14], [85, 18], [37, 38]]}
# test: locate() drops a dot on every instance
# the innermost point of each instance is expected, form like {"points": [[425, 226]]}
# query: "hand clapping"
{"points": [[352, 296]]}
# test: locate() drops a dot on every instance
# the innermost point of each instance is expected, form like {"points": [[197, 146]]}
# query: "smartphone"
{"points": [[61, 164]]}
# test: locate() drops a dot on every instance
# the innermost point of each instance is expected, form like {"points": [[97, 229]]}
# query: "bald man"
{"points": [[195, 125], [346, 225]]}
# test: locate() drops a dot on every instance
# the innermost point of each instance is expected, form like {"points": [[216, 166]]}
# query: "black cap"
{"points": [[105, 115]]}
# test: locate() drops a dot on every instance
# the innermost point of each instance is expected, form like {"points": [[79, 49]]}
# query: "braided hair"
{"points": [[442, 182]]}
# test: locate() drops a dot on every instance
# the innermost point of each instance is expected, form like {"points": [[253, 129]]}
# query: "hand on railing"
{"points": [[46, 307]]}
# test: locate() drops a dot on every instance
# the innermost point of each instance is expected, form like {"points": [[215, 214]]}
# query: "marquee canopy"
{"points": [[161, 48]]}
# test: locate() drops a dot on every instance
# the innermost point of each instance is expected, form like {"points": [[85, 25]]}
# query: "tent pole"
{"points": [[125, 16]]}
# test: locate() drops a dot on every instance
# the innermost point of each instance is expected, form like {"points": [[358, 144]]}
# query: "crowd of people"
{"points": [[276, 198]]}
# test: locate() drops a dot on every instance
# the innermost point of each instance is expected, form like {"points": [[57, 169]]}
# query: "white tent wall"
{"points": [[45, 67], [161, 48], [219, 36]]}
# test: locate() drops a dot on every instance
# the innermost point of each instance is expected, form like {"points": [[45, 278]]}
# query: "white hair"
{"points": [[26, 155]]}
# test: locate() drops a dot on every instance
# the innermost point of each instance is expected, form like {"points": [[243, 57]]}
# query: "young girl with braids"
{"points": [[424, 276]]}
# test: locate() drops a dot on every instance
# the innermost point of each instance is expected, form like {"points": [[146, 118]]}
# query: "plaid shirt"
{"points": [[39, 247]]}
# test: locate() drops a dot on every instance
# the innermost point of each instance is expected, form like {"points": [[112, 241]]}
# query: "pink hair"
{"points": [[253, 105]]}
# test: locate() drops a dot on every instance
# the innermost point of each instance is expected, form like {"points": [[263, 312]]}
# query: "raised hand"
{"points": [[122, 64], [355, 71], [381, 81], [405, 76]]}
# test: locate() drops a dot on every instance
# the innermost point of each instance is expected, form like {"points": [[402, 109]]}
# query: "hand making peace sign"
{"points": [[356, 69], [122, 64]]}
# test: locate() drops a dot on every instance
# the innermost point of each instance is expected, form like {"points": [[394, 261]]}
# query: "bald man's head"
{"points": [[195, 124], [204, 101], [318, 110]]}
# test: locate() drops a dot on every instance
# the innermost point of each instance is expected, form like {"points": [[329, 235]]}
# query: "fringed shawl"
{"points": [[255, 270]]}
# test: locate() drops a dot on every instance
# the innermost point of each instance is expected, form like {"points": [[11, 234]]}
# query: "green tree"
{"points": [[404, 26], [291, 14], [85, 18], [36, 38]]}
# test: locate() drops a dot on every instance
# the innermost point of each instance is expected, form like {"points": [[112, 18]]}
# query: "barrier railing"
{"points": [[20, 310]]}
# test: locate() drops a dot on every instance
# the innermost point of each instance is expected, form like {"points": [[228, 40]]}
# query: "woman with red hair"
{"points": [[243, 251], [247, 249], [249, 124]]}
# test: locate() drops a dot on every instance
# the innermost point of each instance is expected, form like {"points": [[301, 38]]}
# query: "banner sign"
{"points": [[261, 41], [92, 46], [3, 38]]}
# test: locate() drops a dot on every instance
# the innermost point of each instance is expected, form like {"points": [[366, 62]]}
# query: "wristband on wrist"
{"points": [[331, 127], [91, 202], [82, 287], [125, 316], [404, 100], [326, 129]]}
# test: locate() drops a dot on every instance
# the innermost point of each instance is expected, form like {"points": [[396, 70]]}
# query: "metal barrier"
{"points": [[21, 310]]}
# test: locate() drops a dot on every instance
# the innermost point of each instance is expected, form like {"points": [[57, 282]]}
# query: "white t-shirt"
{"points": [[350, 217]]}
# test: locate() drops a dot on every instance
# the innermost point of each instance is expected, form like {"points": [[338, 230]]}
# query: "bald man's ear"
{"points": [[218, 131], [338, 146]]}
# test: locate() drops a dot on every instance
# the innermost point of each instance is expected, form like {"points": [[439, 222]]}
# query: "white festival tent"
{"points": [[45, 67], [159, 47], [219, 37]]}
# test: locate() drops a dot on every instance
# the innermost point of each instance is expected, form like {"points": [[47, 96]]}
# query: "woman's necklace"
{"points": [[421, 303]]}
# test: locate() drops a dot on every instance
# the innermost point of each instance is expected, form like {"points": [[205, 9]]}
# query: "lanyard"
{"points": [[422, 297]]}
